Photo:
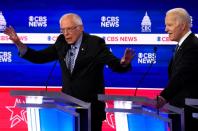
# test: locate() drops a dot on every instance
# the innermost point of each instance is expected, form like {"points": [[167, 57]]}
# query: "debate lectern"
{"points": [[136, 113], [193, 105], [53, 111]]}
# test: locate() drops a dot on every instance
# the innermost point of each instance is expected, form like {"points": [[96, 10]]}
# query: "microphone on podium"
{"points": [[146, 73], [157, 102], [50, 74]]}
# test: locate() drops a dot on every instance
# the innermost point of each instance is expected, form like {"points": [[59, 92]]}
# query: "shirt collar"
{"points": [[184, 37], [78, 43]]}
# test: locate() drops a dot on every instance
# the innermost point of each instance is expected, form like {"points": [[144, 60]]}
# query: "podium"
{"points": [[193, 104], [135, 113], [52, 111]]}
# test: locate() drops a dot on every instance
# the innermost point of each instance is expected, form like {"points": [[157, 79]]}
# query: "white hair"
{"points": [[182, 15], [75, 18]]}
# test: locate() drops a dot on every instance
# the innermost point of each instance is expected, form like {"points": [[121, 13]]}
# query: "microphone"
{"points": [[157, 104], [50, 74], [146, 73]]}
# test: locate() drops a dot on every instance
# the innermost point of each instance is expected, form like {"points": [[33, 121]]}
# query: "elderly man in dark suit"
{"points": [[82, 58], [183, 68]]}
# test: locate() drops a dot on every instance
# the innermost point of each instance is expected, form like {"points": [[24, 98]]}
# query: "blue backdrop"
{"points": [[105, 17]]}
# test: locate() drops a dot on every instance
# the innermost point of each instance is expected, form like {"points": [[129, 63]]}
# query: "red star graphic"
{"points": [[17, 114], [110, 117]]}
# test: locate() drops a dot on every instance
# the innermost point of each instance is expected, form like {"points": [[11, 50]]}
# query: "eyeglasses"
{"points": [[68, 30]]}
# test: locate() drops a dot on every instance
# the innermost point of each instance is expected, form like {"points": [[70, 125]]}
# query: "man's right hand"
{"points": [[12, 35], [15, 39]]}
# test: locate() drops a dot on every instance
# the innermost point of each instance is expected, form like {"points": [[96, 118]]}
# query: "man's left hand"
{"points": [[128, 56]]}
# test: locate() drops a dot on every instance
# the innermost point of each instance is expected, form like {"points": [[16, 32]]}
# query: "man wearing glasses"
{"points": [[82, 58]]}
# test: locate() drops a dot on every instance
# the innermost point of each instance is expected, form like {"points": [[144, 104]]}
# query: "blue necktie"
{"points": [[176, 49], [71, 58]]}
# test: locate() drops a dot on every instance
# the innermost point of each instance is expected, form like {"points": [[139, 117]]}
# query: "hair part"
{"points": [[182, 15]]}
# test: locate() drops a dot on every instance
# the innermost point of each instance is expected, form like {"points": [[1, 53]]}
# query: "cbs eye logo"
{"points": [[146, 58], [109, 21], [37, 21]]}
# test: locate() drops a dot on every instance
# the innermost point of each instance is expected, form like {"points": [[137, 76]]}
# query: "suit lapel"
{"points": [[66, 50], [178, 56], [184, 46], [81, 53], [63, 47]]}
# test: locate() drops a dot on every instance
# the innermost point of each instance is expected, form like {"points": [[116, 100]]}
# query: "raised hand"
{"points": [[15, 39], [128, 56], [12, 35]]}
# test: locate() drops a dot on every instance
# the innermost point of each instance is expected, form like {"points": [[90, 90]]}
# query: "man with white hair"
{"points": [[183, 67], [82, 58]]}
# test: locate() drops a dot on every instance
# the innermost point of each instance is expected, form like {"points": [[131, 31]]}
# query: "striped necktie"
{"points": [[71, 58]]}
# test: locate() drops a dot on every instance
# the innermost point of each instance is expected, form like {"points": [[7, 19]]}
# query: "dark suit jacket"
{"points": [[87, 79], [183, 73]]}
